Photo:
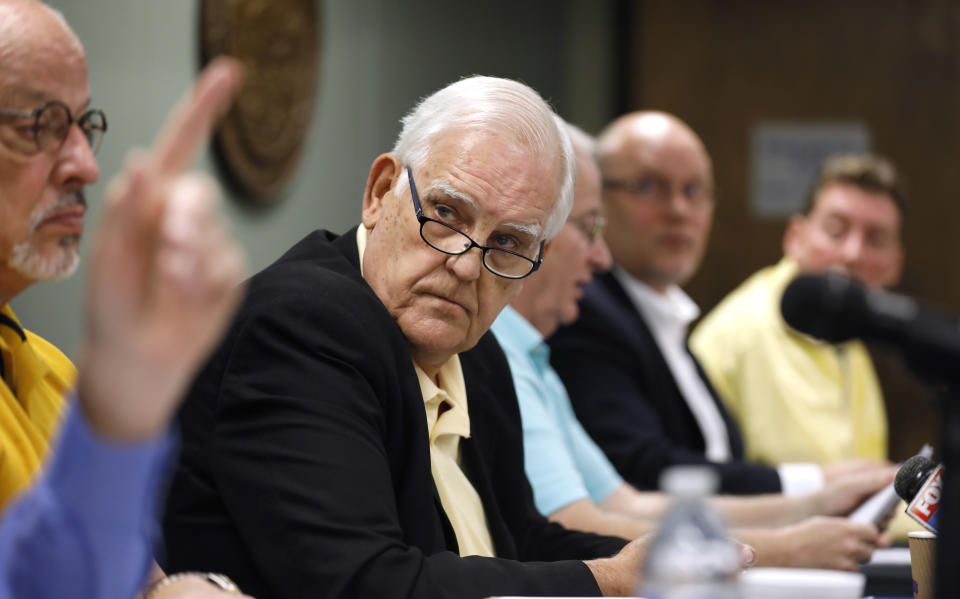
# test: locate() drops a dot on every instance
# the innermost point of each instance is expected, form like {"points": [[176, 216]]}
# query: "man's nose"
{"points": [[468, 265], [676, 201], [600, 258], [77, 165], [853, 247]]}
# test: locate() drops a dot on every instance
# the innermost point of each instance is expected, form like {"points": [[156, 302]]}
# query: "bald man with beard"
{"points": [[45, 162], [165, 271]]}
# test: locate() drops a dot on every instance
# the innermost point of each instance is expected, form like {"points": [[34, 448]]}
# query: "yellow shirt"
{"points": [[796, 399], [40, 377], [459, 499]]}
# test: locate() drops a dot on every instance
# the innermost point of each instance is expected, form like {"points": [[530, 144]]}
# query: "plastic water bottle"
{"points": [[691, 556]]}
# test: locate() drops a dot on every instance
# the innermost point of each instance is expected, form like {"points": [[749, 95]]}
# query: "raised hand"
{"points": [[165, 273]]}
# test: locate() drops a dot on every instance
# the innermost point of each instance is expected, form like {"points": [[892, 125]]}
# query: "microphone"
{"points": [[919, 482], [835, 308]]}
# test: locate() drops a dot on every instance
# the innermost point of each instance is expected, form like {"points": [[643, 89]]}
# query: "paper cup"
{"points": [[923, 545]]}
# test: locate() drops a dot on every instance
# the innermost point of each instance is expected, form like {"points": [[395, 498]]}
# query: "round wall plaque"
{"points": [[260, 140]]}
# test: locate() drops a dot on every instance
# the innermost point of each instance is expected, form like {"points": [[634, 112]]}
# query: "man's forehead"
{"points": [[42, 57], [684, 165], [495, 171], [26, 98], [491, 152], [660, 153], [587, 194], [20, 95]]}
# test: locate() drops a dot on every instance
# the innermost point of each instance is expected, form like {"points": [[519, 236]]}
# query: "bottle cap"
{"points": [[689, 481]]}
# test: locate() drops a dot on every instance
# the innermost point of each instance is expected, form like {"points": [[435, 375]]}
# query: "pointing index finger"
{"points": [[188, 126]]}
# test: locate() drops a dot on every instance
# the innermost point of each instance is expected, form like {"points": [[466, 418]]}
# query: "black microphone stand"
{"points": [[947, 380], [947, 578]]}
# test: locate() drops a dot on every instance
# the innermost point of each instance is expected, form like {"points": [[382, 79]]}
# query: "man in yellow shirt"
{"points": [[45, 161], [796, 398], [165, 270]]}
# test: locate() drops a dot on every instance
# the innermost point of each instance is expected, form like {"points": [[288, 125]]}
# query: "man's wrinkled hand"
{"points": [[830, 543]]}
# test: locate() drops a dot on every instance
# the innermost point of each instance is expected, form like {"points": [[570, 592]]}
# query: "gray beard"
{"points": [[29, 262], [27, 259]]}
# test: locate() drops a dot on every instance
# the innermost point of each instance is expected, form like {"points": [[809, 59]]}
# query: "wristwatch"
{"points": [[218, 580]]}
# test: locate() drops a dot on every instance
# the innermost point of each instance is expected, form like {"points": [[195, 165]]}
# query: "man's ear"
{"points": [[792, 235], [383, 173]]}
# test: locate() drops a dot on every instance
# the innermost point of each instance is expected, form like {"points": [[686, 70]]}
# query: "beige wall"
{"points": [[377, 58]]}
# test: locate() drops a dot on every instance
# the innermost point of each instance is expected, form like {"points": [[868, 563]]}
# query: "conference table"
{"points": [[887, 575]]}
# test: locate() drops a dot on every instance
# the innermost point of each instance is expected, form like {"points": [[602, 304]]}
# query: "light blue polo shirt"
{"points": [[563, 463]]}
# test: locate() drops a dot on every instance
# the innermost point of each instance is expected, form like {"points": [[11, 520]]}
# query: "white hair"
{"points": [[491, 103], [582, 141]]}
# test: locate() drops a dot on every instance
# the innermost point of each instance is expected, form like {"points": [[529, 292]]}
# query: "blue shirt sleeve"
{"points": [[86, 529], [599, 476], [562, 463], [550, 468]]}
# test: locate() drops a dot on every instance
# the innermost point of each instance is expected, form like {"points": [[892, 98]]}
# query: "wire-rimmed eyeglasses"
{"points": [[449, 240], [590, 225], [51, 124], [659, 190]]}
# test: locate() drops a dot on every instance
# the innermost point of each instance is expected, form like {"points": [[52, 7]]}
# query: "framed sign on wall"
{"points": [[260, 140]]}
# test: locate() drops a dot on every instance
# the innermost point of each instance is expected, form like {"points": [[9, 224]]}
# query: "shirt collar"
{"points": [[362, 234], [517, 330], [451, 389], [11, 333], [784, 272], [781, 276], [674, 307]]}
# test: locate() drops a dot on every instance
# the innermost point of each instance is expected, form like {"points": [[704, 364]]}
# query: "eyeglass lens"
{"points": [[54, 121], [451, 241]]}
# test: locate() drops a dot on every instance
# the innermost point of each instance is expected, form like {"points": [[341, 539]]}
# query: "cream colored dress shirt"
{"points": [[459, 499]]}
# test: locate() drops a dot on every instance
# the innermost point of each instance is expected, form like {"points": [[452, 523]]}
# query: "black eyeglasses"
{"points": [[51, 124], [447, 239]]}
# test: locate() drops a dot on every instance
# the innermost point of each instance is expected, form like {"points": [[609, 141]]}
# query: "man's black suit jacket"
{"points": [[626, 397], [305, 468]]}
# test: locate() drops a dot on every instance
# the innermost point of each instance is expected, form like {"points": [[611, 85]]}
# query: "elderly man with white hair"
{"points": [[357, 434]]}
